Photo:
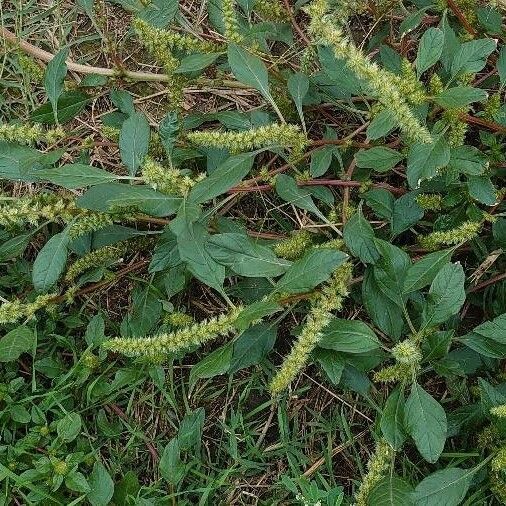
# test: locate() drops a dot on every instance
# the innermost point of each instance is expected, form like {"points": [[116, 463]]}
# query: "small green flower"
{"points": [[193, 335], [230, 21], [499, 461], [166, 180], [329, 299], [285, 136], [429, 201], [463, 233], [295, 246], [377, 468], [11, 312], [407, 352], [30, 134], [499, 411], [94, 259], [383, 84]]}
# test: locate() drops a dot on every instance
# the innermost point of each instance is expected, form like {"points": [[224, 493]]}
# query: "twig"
{"points": [[294, 23], [45, 56], [489, 125], [461, 17], [485, 284]]}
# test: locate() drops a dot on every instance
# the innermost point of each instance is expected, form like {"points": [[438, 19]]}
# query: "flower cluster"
{"points": [[93, 259], [499, 460], [499, 411], [383, 84], [159, 43], [294, 246], [166, 180], [457, 128], [178, 319], [329, 299], [286, 136], [463, 233], [230, 21], [30, 134], [193, 335], [11, 312], [271, 11], [33, 209], [376, 469], [429, 201], [30, 68], [88, 222], [409, 85], [408, 356], [157, 39]]}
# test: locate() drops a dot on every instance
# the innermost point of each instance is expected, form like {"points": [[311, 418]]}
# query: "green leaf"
{"points": [[159, 13], [245, 256], [171, 466], [429, 49], [379, 158], [192, 243], [381, 125], [190, 429], [196, 62], [391, 491], [425, 159], [54, 76], [256, 311], [228, 174], [19, 163], [392, 419], [468, 160], [348, 336], [166, 253], [482, 189], [406, 212], [460, 96], [214, 364], [14, 247], [252, 346], [386, 315], [331, 362], [390, 271], [107, 196], [298, 86], [447, 487], [314, 268], [69, 105], [381, 201], [76, 175], [501, 66], [50, 262], [446, 295], [16, 342], [168, 130], [101, 484], [411, 21], [126, 488], [69, 427], [123, 101], [472, 56], [423, 272], [320, 161], [77, 482], [425, 422], [287, 189], [250, 70], [134, 141], [489, 338], [359, 238]]}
